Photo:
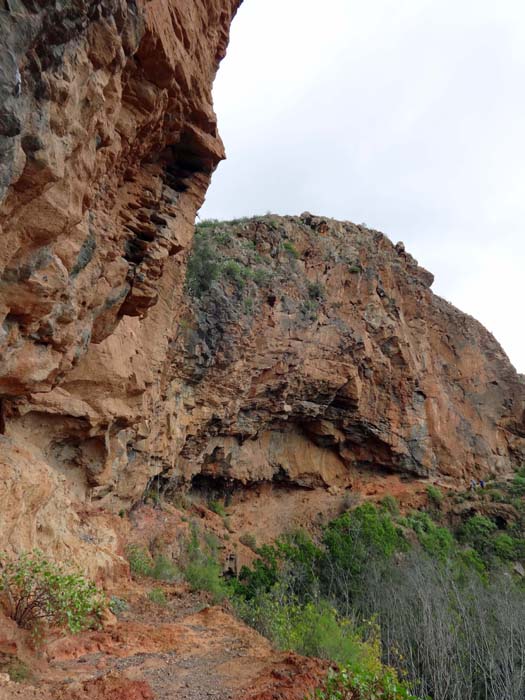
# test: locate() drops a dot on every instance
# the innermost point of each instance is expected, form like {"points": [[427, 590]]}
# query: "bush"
{"points": [[217, 507], [37, 591], [18, 671], [290, 249], [236, 272], [316, 291], [435, 496], [390, 504], [517, 486], [203, 266], [203, 571], [157, 596], [140, 562], [478, 531], [504, 546], [117, 605], [163, 569], [348, 685]]}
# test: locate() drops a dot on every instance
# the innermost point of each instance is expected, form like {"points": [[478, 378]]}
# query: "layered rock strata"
{"points": [[107, 142], [298, 350], [320, 350]]}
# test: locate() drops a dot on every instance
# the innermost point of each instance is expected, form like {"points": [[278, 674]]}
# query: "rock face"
{"points": [[107, 143], [320, 351], [303, 351]]}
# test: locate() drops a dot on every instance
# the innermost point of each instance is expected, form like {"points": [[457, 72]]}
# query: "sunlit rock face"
{"points": [[107, 143]]}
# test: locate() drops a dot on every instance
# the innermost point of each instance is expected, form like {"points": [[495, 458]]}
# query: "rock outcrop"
{"points": [[320, 351], [107, 143], [301, 350]]}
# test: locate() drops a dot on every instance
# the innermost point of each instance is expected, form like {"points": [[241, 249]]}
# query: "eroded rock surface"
{"points": [[320, 350], [107, 142], [302, 351]]}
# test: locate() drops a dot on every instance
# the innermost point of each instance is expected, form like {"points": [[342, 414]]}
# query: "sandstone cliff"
{"points": [[319, 351], [303, 351], [107, 142]]}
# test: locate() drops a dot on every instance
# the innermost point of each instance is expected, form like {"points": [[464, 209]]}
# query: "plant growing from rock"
{"points": [[36, 591]]}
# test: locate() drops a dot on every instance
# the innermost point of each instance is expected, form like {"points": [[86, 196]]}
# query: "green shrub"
{"points": [[157, 596], [354, 268], [17, 670], [140, 561], [261, 277], [346, 684], [504, 547], [202, 570], [37, 591], [390, 504], [217, 507], [310, 309], [142, 564], [355, 538], [248, 540], [163, 569], [435, 496], [437, 541], [316, 291], [117, 605], [290, 249], [517, 485], [203, 266], [236, 272], [478, 531]]}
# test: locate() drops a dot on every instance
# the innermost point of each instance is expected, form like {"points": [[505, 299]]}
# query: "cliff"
{"points": [[300, 351], [320, 351], [107, 142]]}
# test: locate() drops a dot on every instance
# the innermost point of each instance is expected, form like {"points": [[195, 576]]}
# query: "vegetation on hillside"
{"points": [[35, 591], [441, 606]]}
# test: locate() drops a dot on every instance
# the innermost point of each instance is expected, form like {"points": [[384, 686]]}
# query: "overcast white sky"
{"points": [[408, 115]]}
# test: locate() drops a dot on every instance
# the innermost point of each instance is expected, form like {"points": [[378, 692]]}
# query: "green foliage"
{"points": [[478, 531], [312, 629], [357, 537], [310, 309], [437, 541], [236, 272], [504, 546], [346, 684], [316, 291], [217, 507], [354, 269], [438, 604], [157, 596], [163, 569], [261, 277], [435, 496], [117, 605], [38, 591], [142, 564], [17, 670], [390, 504], [203, 265], [140, 561], [202, 570], [290, 249], [517, 487]]}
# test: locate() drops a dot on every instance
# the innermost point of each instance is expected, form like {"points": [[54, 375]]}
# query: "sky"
{"points": [[405, 115]]}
